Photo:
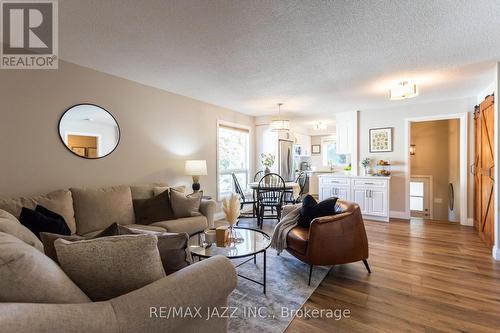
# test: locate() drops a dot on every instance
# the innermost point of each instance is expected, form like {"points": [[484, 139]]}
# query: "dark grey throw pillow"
{"points": [[311, 209], [154, 209]]}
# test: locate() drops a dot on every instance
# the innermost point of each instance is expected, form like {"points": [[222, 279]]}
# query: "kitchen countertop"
{"points": [[343, 175]]}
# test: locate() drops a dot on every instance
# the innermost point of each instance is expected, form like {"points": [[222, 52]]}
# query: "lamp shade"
{"points": [[196, 168]]}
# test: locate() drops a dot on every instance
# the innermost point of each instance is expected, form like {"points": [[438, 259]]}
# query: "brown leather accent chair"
{"points": [[331, 240]]}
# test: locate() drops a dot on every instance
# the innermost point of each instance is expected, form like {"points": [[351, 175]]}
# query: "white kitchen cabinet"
{"points": [[378, 202], [360, 196], [370, 193]]}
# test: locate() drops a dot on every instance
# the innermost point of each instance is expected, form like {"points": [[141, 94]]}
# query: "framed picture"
{"points": [[380, 140], [316, 149]]}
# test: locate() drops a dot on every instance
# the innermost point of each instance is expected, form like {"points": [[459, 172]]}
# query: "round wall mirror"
{"points": [[89, 131]]}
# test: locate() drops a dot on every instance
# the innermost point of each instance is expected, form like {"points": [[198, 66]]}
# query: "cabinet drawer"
{"points": [[370, 183], [334, 181]]}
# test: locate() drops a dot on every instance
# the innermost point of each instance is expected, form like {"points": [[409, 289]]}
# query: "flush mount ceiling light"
{"points": [[280, 125], [403, 90], [320, 127]]}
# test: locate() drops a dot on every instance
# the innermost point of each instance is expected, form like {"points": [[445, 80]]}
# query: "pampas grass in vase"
{"points": [[231, 207]]}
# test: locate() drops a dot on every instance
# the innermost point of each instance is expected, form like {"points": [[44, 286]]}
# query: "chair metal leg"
{"points": [[310, 274], [367, 266]]}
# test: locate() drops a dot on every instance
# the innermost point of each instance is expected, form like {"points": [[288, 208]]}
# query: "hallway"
{"points": [[428, 276]]}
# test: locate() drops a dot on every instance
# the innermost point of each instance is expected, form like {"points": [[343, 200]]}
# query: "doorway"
{"points": [[437, 168]]}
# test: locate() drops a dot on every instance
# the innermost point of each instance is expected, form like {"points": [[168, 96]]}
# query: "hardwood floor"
{"points": [[428, 276]]}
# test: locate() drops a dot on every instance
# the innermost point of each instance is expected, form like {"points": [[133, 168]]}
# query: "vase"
{"points": [[267, 171], [234, 236]]}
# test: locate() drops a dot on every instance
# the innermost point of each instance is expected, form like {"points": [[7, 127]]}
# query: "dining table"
{"points": [[295, 187]]}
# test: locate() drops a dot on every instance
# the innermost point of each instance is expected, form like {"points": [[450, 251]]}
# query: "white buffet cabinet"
{"points": [[370, 193]]}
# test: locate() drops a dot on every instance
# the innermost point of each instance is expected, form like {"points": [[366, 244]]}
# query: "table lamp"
{"points": [[196, 168]]}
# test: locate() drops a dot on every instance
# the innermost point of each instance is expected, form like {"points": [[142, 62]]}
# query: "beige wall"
{"points": [[159, 130], [395, 117], [437, 155]]}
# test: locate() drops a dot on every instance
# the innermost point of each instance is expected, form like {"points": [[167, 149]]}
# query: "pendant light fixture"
{"points": [[280, 125]]}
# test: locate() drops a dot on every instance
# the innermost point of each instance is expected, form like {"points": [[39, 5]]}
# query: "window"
{"points": [[233, 157], [417, 196], [330, 156]]}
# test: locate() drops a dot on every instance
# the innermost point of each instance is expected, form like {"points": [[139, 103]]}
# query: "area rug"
{"points": [[287, 291]]}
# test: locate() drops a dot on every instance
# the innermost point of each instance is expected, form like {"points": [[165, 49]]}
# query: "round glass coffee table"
{"points": [[252, 243]]}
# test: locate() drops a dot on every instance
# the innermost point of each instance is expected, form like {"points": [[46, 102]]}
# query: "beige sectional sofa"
{"points": [[203, 285], [89, 211]]}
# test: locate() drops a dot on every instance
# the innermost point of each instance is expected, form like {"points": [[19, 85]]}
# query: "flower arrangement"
{"points": [[365, 163], [231, 207], [267, 160]]}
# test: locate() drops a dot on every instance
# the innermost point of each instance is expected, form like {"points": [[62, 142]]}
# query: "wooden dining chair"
{"points": [[270, 195], [301, 180], [258, 175], [244, 200]]}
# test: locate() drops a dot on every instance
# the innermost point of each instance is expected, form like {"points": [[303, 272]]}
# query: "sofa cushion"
{"points": [[42, 219], [96, 209], [185, 205], [108, 267], [10, 225], [60, 202], [297, 239], [29, 276], [154, 209], [144, 191], [189, 225]]}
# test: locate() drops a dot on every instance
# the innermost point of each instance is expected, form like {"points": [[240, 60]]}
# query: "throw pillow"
{"points": [[10, 225], [108, 267], [29, 276], [160, 189], [185, 206], [173, 247], [311, 209], [174, 251], [42, 219], [48, 240], [152, 210], [113, 230]]}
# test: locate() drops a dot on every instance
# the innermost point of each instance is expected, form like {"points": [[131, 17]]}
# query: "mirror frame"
{"points": [[84, 157]]}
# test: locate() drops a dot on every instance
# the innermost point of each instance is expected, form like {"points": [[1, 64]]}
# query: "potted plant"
{"points": [[366, 164], [267, 160], [347, 169]]}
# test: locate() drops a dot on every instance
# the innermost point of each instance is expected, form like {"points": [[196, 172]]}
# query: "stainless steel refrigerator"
{"points": [[285, 160]]}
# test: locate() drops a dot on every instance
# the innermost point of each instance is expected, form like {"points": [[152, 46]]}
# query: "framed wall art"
{"points": [[381, 140]]}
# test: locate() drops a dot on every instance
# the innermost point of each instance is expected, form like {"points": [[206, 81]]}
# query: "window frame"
{"points": [[324, 151], [247, 171]]}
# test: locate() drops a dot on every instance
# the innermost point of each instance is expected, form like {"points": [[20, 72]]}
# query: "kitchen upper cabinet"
{"points": [[345, 124], [304, 141]]}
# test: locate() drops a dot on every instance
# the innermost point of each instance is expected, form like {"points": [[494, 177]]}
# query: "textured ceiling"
{"points": [[314, 56]]}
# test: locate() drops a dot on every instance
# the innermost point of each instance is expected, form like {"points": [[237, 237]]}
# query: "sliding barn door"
{"points": [[483, 170]]}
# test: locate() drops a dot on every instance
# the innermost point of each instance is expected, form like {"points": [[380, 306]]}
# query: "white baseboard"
{"points": [[469, 222], [398, 215], [496, 253]]}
